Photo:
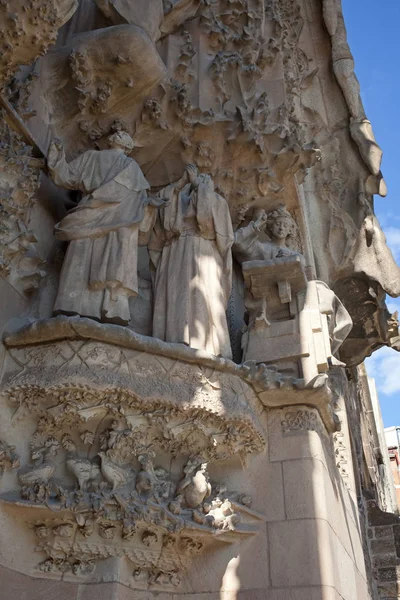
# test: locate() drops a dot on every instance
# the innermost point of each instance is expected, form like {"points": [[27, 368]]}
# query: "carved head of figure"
{"points": [[121, 139], [280, 225]]}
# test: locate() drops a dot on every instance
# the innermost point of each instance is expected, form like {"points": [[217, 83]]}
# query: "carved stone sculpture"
{"points": [[369, 273], [191, 251], [195, 487], [125, 425], [289, 318], [263, 261], [19, 259], [280, 227], [343, 67], [27, 31], [9, 459], [100, 268]]}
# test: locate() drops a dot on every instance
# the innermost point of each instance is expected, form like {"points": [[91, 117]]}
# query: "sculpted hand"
{"points": [[180, 184], [192, 174], [260, 221], [283, 252], [56, 151]]}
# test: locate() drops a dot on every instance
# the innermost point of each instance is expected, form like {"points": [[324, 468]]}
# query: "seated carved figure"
{"points": [[280, 227], [306, 322], [100, 267], [251, 244]]}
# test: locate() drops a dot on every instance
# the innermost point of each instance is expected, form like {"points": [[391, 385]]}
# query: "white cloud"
{"points": [[393, 304], [384, 367], [393, 240]]}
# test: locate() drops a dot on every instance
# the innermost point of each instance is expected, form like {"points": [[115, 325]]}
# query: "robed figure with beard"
{"points": [[100, 267]]}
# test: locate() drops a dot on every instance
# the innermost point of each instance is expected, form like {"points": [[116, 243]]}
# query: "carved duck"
{"points": [[115, 474], [83, 469], [195, 487], [44, 466]]}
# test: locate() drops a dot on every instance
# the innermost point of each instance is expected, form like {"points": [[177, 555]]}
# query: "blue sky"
{"points": [[374, 37]]}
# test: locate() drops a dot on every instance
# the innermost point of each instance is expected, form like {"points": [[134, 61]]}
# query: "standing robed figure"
{"points": [[99, 272], [190, 248]]}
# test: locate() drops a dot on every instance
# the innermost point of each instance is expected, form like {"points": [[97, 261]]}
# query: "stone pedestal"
{"points": [[309, 548]]}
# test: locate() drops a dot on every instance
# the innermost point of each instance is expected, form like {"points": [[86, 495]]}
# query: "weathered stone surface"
{"points": [[384, 546], [232, 217], [385, 531], [379, 518], [385, 560]]}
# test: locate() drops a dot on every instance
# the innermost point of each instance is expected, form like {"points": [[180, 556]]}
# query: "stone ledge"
{"points": [[273, 389]]}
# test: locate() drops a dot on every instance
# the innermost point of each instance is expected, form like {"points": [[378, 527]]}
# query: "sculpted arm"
{"points": [[249, 232], [63, 174]]}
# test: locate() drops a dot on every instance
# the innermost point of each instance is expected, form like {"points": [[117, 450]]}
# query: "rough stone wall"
{"points": [[384, 543]]}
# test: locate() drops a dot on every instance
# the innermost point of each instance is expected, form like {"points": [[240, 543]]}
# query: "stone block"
{"points": [[230, 569], [298, 444], [308, 593], [389, 574], [117, 591], [307, 486], [396, 531], [385, 560], [384, 546], [249, 595], [308, 553], [378, 517], [14, 585], [294, 553], [363, 592], [312, 492], [384, 531], [389, 590]]}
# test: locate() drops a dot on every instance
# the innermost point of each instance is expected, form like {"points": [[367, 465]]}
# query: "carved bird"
{"points": [[44, 467], [147, 479], [115, 474], [195, 487], [83, 469]]}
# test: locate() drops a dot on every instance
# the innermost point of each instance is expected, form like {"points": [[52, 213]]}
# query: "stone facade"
{"points": [[191, 277]]}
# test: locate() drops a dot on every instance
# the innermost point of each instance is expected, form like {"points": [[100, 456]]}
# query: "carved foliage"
{"points": [[121, 501], [301, 420], [20, 172], [9, 459], [28, 29]]}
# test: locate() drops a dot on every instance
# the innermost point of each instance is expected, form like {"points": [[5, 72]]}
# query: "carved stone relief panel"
{"points": [[28, 30], [233, 108], [20, 172], [117, 464]]}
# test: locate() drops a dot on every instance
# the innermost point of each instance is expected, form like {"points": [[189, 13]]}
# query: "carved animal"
{"points": [[195, 487], [115, 474], [146, 478], [199, 517], [150, 479], [83, 469], [175, 506], [44, 465], [224, 516]]}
